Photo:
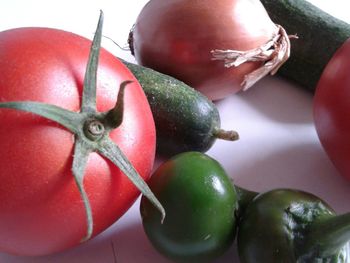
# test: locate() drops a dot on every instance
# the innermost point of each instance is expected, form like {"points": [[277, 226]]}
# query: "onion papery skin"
{"points": [[176, 37]]}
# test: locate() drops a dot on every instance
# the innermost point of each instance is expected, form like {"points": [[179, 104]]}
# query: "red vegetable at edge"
{"points": [[41, 208], [194, 41], [332, 109], [320, 63]]}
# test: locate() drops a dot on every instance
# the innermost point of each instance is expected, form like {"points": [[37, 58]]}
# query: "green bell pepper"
{"points": [[291, 226]]}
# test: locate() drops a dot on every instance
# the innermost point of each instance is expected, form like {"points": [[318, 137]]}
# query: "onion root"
{"points": [[273, 54]]}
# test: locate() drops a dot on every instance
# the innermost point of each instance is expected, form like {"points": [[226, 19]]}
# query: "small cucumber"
{"points": [[320, 35], [185, 119]]}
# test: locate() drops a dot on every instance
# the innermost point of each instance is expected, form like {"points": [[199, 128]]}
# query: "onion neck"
{"points": [[320, 36]]}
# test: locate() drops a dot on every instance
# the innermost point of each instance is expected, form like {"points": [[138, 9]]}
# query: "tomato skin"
{"points": [[332, 109], [200, 202], [41, 209]]}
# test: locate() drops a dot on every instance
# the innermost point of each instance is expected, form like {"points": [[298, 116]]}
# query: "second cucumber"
{"points": [[185, 119]]}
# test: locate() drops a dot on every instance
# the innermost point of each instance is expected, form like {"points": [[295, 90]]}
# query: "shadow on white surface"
{"points": [[279, 100], [302, 167], [121, 243]]}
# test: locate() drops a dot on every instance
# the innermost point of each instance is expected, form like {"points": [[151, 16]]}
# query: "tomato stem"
{"points": [[89, 91], [91, 129], [115, 116], [66, 118], [81, 154], [94, 129]]}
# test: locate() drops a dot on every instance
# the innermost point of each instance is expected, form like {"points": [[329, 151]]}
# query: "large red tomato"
{"points": [[332, 109], [41, 209]]}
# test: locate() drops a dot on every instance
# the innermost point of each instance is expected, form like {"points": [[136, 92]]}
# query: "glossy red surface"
{"points": [[41, 208], [332, 109]]}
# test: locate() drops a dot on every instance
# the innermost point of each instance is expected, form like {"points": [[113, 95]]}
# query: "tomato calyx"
{"points": [[91, 130], [94, 129]]}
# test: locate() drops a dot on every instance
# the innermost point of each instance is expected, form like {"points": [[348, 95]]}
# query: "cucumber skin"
{"points": [[320, 35], [185, 119]]}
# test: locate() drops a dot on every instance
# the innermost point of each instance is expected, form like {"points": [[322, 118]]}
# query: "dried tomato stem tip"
{"points": [[91, 130]]}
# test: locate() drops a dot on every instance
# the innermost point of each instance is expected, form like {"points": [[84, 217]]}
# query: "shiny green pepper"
{"points": [[290, 226], [201, 206]]}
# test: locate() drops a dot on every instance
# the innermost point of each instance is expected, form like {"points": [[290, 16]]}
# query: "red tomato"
{"points": [[41, 209], [332, 109]]}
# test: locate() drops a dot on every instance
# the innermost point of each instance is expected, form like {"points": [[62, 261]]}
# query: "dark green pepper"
{"points": [[290, 226], [201, 206]]}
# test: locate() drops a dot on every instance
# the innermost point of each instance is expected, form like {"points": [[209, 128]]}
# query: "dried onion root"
{"points": [[273, 54]]}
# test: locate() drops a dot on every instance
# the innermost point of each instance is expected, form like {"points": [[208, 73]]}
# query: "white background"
{"points": [[279, 146]]}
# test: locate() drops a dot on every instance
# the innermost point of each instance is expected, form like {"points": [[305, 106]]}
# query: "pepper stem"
{"points": [[244, 198], [328, 235]]}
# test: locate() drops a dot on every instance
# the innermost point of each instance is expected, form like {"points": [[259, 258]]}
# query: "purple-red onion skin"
{"points": [[176, 37]]}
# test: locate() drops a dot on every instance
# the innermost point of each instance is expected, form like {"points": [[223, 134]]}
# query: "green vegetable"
{"points": [[201, 206], [185, 119], [320, 35], [245, 197], [290, 226]]}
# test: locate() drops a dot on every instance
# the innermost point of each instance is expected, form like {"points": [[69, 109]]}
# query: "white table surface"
{"points": [[278, 147]]}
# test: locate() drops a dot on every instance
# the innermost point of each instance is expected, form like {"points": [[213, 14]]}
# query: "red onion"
{"points": [[217, 47]]}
